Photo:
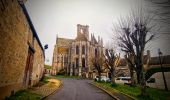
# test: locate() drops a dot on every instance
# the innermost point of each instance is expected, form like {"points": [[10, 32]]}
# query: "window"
{"points": [[83, 49], [83, 62], [77, 49], [77, 62], [81, 31], [95, 52], [2, 5]]}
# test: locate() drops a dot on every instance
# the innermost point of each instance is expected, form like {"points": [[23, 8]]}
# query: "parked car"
{"points": [[103, 78], [96, 78], [123, 80]]}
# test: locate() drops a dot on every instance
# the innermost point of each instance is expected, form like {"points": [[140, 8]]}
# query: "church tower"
{"points": [[82, 32]]}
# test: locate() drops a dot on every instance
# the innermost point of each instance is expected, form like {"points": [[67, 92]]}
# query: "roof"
{"points": [[64, 41], [122, 62], [155, 60], [63, 50]]}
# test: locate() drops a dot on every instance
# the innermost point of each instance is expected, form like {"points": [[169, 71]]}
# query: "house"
{"points": [[21, 52]]}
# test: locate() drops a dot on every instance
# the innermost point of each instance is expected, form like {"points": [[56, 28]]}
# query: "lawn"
{"points": [[134, 91], [66, 76], [24, 95]]}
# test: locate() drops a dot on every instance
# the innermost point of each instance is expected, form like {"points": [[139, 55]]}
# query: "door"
{"points": [[28, 68]]}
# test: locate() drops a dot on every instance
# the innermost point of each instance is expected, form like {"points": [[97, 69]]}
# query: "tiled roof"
{"points": [[155, 60]]}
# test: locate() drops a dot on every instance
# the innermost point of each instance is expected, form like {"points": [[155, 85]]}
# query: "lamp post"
{"points": [[160, 61]]}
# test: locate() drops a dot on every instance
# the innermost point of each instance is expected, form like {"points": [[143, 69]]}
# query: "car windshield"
{"points": [[125, 78]]}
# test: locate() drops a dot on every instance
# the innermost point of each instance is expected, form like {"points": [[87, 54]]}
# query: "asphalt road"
{"points": [[78, 89]]}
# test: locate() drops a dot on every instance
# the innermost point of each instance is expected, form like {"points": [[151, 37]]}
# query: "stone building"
{"points": [[74, 55], [21, 52]]}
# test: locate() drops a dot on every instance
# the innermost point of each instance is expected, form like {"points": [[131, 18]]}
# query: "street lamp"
{"points": [[160, 61]]}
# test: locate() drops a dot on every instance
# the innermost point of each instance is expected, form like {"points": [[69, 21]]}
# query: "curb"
{"points": [[113, 96], [126, 95], [61, 84]]}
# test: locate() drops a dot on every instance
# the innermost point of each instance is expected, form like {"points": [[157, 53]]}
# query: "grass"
{"points": [[47, 66], [45, 79], [24, 95], [66, 76], [134, 91]]}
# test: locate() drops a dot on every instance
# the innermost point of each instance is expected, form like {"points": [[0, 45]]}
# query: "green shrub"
{"points": [[44, 79], [61, 72]]}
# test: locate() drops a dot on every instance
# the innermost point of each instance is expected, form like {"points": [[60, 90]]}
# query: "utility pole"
{"points": [[160, 60]]}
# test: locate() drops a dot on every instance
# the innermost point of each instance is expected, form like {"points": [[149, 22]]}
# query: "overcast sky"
{"points": [[52, 17]]}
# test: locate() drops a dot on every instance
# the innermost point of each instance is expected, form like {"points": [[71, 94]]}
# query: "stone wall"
{"points": [[15, 38], [13, 48], [38, 64]]}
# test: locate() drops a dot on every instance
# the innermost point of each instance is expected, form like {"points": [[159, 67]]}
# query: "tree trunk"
{"points": [[143, 81], [138, 77], [99, 76], [113, 77], [132, 77]]}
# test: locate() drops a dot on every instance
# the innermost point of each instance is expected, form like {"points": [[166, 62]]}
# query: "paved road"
{"points": [[78, 89]]}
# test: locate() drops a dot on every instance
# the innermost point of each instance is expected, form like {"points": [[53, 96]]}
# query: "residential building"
{"points": [[21, 53]]}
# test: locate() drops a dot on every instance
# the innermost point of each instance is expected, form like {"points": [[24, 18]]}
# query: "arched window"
{"points": [[83, 49], [77, 49], [83, 62], [77, 62], [96, 53]]}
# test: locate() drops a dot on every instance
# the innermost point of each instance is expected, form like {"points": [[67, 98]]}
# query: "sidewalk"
{"points": [[48, 88]]}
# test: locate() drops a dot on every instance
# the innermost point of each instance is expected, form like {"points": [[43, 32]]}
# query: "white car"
{"points": [[123, 80], [103, 78]]}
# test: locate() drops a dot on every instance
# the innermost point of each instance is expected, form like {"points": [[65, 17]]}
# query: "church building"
{"points": [[73, 56]]}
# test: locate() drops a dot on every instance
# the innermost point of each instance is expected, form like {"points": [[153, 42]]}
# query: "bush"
{"points": [[44, 79]]}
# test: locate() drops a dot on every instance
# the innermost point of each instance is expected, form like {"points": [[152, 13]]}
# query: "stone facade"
{"points": [[74, 55], [21, 53]]}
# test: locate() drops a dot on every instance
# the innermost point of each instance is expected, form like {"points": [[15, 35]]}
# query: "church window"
{"points": [[81, 31], [77, 62], [95, 52], [83, 62], [83, 49], [77, 49]]}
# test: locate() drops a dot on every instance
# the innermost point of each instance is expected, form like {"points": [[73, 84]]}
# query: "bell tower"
{"points": [[83, 30]]}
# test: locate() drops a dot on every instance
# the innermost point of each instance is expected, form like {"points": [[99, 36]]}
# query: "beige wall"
{"points": [[14, 36], [13, 48], [38, 64]]}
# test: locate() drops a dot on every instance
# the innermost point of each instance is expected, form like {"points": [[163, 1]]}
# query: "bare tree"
{"points": [[131, 64], [98, 65], [111, 60], [134, 34], [160, 8]]}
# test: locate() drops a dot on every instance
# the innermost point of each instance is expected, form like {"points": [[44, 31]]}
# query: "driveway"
{"points": [[78, 89]]}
